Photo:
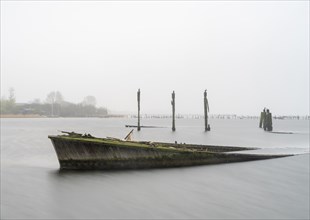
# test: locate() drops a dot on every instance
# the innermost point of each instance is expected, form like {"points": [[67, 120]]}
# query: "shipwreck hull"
{"points": [[84, 153]]}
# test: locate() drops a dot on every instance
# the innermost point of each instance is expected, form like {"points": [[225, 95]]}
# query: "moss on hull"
{"points": [[97, 153], [158, 145]]}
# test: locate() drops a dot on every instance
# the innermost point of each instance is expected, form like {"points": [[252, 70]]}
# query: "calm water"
{"points": [[32, 186]]}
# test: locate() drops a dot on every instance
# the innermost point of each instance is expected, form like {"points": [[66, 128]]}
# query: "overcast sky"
{"points": [[247, 54]]}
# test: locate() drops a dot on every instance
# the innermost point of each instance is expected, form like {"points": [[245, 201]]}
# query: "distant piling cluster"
{"points": [[265, 121], [206, 110]]}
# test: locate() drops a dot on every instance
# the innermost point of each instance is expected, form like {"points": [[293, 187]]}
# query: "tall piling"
{"points": [[206, 110], [138, 98], [173, 111], [262, 118]]}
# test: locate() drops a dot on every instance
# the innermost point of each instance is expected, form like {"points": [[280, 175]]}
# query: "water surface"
{"points": [[32, 186]]}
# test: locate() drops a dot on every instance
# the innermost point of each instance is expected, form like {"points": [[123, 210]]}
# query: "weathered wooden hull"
{"points": [[90, 153]]}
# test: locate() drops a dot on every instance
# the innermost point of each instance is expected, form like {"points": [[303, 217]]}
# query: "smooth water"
{"points": [[32, 186]]}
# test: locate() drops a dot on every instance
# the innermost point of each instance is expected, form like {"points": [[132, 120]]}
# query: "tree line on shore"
{"points": [[53, 106]]}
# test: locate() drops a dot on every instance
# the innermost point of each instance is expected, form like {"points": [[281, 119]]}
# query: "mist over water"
{"points": [[33, 187], [247, 54]]}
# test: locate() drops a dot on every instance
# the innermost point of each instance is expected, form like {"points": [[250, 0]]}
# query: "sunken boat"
{"points": [[85, 152]]}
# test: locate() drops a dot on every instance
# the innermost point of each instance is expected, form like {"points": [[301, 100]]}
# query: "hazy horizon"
{"points": [[248, 55]]}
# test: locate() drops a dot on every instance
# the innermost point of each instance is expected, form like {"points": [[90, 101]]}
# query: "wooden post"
{"points": [[262, 118], [173, 111], [206, 108], [268, 121], [138, 97]]}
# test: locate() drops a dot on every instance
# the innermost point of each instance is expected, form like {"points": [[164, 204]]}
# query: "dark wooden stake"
{"points": [[173, 111], [206, 108], [138, 97]]}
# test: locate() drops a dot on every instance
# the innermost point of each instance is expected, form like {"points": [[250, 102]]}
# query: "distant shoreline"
{"points": [[229, 117], [44, 116], [22, 116]]}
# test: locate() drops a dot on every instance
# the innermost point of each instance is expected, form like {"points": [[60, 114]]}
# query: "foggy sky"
{"points": [[248, 55]]}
